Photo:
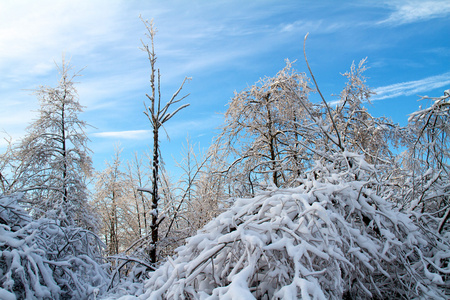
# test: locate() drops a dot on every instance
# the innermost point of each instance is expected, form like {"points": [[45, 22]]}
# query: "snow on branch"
{"points": [[42, 260], [325, 239]]}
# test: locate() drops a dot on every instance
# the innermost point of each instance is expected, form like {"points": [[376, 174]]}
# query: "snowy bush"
{"points": [[42, 260], [129, 271], [332, 237], [428, 160]]}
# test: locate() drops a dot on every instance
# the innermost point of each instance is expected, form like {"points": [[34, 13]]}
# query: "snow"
{"points": [[42, 260], [5, 295], [308, 242], [337, 234], [333, 236]]}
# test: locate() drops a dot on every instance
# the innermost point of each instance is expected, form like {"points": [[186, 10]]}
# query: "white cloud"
{"points": [[316, 26], [194, 38], [174, 129], [408, 88], [412, 87], [100, 92], [301, 25], [34, 34], [128, 134], [417, 10]]}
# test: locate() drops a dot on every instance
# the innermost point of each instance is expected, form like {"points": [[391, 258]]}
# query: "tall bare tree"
{"points": [[158, 115], [54, 159]]}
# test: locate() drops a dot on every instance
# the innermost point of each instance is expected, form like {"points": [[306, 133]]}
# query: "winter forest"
{"points": [[294, 199]]}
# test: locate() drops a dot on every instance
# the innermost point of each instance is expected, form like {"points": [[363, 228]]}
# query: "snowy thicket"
{"points": [[41, 260], [347, 227], [343, 216], [331, 237]]}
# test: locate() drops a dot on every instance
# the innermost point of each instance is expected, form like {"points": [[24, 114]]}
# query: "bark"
{"points": [[155, 197]]}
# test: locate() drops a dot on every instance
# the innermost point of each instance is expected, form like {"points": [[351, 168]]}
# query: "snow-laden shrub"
{"points": [[42, 260], [129, 272], [428, 160], [332, 237]]}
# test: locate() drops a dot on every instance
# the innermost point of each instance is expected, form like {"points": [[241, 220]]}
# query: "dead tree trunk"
{"points": [[157, 116]]}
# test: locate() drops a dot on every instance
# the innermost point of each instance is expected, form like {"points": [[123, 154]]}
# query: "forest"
{"points": [[294, 199]]}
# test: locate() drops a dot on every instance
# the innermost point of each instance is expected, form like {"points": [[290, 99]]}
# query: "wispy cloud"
{"points": [[174, 129], [407, 88], [127, 134], [301, 25], [100, 92], [412, 87], [32, 34], [316, 26], [221, 44], [418, 10]]}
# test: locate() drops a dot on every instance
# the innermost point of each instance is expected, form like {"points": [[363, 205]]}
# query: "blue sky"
{"points": [[225, 46]]}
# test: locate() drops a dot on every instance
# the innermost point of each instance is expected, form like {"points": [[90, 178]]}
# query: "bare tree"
{"points": [[138, 176], [183, 205], [260, 140], [428, 159], [11, 168], [53, 158], [359, 130], [273, 133], [110, 192], [124, 209], [157, 114]]}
